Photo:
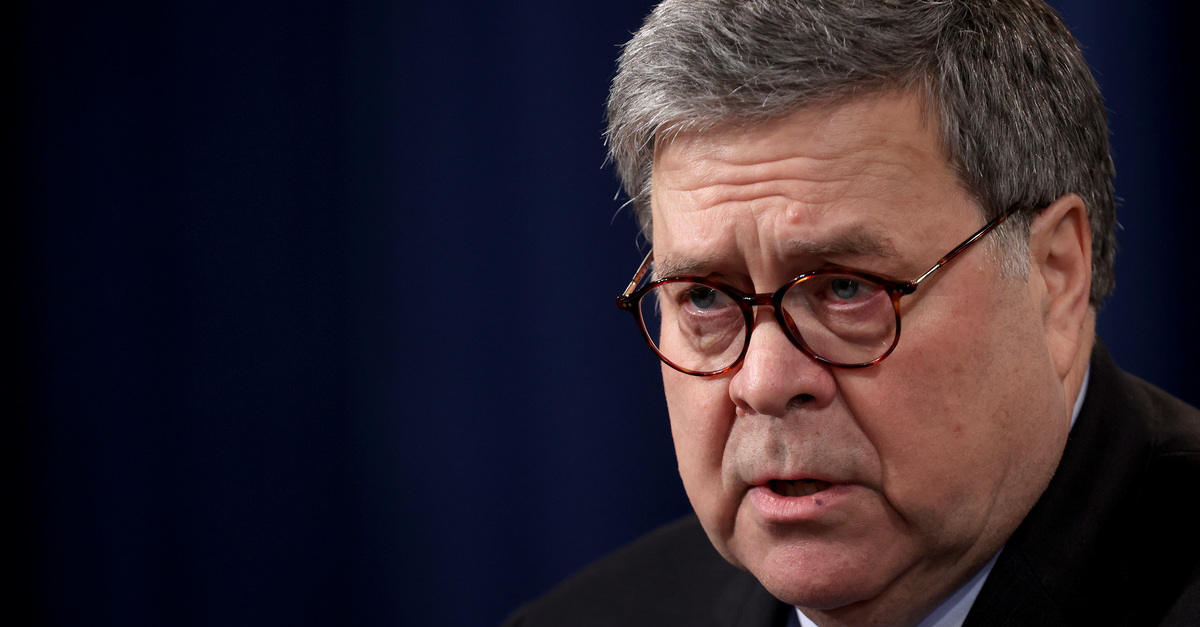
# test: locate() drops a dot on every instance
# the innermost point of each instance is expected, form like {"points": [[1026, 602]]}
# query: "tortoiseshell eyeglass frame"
{"points": [[630, 298]]}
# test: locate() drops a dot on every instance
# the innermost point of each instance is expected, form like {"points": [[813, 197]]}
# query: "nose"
{"points": [[776, 376]]}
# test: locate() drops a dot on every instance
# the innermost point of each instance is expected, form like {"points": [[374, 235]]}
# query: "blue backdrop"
{"points": [[313, 301]]}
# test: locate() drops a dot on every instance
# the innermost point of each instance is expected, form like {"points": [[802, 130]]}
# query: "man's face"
{"points": [[924, 463]]}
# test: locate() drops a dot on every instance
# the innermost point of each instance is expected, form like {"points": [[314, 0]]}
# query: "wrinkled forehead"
{"points": [[826, 181], [825, 126]]}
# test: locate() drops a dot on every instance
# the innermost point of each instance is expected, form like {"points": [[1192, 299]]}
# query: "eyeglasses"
{"points": [[837, 316]]}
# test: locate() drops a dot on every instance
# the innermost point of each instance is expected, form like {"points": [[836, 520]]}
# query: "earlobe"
{"points": [[1060, 246]]}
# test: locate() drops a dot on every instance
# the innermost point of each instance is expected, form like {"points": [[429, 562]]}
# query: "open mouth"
{"points": [[798, 487]]}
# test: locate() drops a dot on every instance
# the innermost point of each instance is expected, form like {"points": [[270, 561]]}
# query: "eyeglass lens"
{"points": [[841, 318]]}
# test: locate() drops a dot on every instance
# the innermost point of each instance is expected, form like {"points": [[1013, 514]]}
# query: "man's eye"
{"points": [[844, 288], [702, 297]]}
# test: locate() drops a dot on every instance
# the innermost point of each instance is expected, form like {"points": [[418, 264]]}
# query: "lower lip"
{"points": [[776, 508]]}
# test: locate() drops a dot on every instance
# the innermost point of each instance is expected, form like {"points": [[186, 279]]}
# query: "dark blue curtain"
{"points": [[311, 302]]}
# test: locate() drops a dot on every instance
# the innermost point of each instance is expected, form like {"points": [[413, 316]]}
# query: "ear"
{"points": [[1060, 248]]}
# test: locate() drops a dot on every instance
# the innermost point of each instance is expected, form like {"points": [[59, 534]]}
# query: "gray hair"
{"points": [[1021, 118]]}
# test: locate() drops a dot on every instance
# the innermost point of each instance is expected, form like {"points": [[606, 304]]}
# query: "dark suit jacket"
{"points": [[1115, 539]]}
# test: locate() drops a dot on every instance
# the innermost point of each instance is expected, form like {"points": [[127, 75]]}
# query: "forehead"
{"points": [[859, 177]]}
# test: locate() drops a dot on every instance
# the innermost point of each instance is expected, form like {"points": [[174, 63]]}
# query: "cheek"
{"points": [[701, 416], [924, 427], [960, 450]]}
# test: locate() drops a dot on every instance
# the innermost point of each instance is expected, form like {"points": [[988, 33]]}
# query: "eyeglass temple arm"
{"points": [[963, 246], [641, 273]]}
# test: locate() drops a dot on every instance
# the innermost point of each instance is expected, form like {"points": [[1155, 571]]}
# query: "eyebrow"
{"points": [[861, 242]]}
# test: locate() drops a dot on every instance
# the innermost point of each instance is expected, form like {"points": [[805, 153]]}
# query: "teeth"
{"points": [[800, 487]]}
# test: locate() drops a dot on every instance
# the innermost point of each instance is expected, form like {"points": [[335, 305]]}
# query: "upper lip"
{"points": [[794, 488], [765, 478]]}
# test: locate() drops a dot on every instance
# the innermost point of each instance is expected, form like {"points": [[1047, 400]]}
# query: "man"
{"points": [[813, 177]]}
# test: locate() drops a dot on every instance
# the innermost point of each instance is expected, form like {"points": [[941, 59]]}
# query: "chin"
{"points": [[823, 594], [821, 578]]}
